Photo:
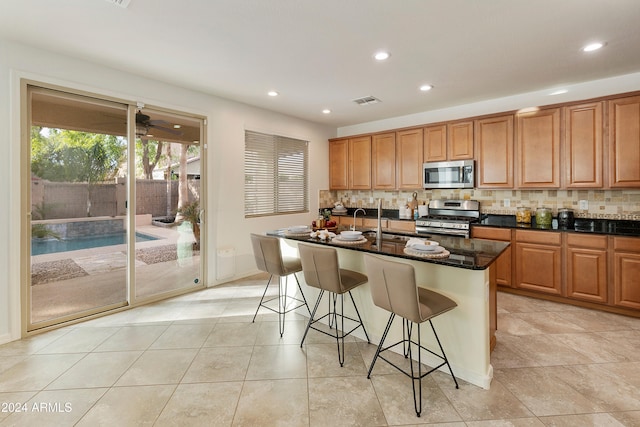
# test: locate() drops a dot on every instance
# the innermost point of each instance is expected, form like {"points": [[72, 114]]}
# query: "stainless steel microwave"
{"points": [[454, 174]]}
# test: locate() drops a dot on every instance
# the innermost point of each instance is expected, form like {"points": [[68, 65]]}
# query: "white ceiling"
{"points": [[319, 53]]}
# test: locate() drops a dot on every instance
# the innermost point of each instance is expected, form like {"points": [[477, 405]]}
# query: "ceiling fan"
{"points": [[144, 124]]}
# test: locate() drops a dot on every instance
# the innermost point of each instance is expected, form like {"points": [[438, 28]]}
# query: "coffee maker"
{"points": [[565, 218]]}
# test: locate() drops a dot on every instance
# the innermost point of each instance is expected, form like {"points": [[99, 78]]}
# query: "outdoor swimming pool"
{"points": [[49, 246]]}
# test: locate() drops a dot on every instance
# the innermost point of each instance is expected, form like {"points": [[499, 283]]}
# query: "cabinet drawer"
{"points": [[370, 222], [541, 237], [402, 225], [585, 241], [631, 244], [491, 233]]}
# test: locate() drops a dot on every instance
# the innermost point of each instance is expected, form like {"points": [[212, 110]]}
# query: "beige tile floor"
{"points": [[198, 360]]}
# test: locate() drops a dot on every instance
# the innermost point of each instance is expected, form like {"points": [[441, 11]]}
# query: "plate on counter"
{"points": [[358, 241], [427, 248], [299, 229]]}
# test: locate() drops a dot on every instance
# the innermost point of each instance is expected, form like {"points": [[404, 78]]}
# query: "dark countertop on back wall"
{"points": [[617, 227]]}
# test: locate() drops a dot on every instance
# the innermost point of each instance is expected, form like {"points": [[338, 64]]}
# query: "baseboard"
{"points": [[5, 338]]}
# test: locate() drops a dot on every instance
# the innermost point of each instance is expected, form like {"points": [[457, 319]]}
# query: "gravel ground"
{"points": [[51, 271]]}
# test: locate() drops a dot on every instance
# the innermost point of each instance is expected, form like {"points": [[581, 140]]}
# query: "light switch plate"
{"points": [[583, 205], [507, 203]]}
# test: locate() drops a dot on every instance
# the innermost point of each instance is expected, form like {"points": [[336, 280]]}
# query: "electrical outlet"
{"points": [[507, 203], [370, 199], [583, 205], [353, 199]]}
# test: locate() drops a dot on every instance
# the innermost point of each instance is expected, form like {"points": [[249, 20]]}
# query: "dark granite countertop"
{"points": [[617, 227], [393, 214], [475, 254]]}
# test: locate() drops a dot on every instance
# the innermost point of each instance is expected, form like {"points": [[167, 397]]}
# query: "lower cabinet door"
{"points": [[587, 274], [503, 268], [538, 268], [627, 279]]}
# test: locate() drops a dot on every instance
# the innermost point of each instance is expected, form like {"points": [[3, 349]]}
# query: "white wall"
{"points": [[576, 92], [227, 121]]}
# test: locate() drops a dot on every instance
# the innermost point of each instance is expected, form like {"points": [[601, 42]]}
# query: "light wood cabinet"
{"points": [[383, 164], [503, 270], [409, 147], [583, 146], [350, 163], [406, 226], [494, 152], [538, 261], [586, 267], [339, 164], [538, 149], [626, 272], [347, 220], [624, 142], [360, 163], [460, 140], [435, 143]]}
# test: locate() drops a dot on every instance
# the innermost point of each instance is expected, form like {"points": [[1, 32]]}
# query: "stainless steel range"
{"points": [[450, 217]]}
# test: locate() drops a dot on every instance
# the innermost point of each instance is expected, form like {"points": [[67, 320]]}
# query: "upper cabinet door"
{"points": [[435, 143], [624, 142], [583, 146], [383, 168], [360, 163], [460, 143], [538, 149], [339, 164], [494, 152], [409, 164]]}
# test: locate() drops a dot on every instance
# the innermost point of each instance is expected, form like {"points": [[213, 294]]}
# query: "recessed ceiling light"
{"points": [[326, 111], [426, 88], [559, 92], [592, 46], [381, 56], [272, 93], [177, 126]]}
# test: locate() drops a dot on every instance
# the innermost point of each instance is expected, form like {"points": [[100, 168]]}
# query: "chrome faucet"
{"points": [[353, 227]]}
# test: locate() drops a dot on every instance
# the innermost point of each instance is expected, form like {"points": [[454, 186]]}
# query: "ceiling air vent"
{"points": [[366, 100], [121, 3]]}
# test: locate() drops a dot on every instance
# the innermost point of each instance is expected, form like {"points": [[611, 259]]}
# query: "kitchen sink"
{"points": [[389, 237]]}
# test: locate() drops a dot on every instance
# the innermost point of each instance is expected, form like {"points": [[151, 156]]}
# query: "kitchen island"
{"points": [[466, 332]]}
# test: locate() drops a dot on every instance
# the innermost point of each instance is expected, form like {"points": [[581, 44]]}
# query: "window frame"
{"points": [[276, 175]]}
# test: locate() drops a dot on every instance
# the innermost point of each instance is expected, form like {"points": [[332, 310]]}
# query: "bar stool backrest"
{"points": [[266, 250], [320, 267], [393, 287]]}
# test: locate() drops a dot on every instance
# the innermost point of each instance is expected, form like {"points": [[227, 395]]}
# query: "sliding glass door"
{"points": [[97, 241], [168, 204], [78, 212]]}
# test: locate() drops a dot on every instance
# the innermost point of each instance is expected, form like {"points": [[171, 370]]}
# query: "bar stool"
{"points": [[393, 288], [266, 250], [321, 270]]}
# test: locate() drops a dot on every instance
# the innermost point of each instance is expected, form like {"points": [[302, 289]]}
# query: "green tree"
{"points": [[149, 152], [73, 156]]}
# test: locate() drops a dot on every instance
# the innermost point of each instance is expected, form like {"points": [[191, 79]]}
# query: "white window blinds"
{"points": [[275, 175]]}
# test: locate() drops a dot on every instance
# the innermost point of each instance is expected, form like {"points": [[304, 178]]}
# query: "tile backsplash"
{"points": [[610, 204]]}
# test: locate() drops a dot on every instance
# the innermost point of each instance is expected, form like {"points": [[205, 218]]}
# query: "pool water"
{"points": [[49, 246]]}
